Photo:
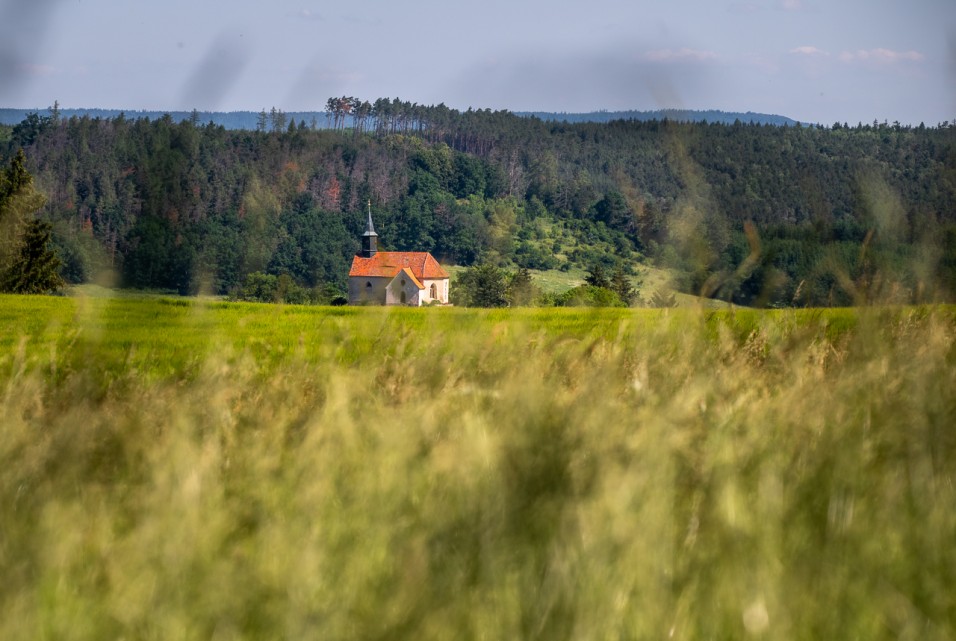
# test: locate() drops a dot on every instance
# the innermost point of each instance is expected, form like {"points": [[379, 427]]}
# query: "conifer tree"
{"points": [[521, 291], [621, 285], [36, 268], [483, 285], [28, 265], [18, 203], [597, 277]]}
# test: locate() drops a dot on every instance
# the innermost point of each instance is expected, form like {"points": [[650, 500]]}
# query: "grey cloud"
{"points": [[613, 80], [23, 24], [216, 73], [317, 82], [952, 70]]}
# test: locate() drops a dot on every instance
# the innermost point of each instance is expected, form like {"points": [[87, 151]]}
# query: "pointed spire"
{"points": [[369, 238], [369, 228]]}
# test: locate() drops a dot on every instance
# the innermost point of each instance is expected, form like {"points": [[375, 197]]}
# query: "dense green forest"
{"points": [[757, 214], [679, 115]]}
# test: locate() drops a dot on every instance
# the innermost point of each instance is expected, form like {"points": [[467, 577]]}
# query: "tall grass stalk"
{"points": [[254, 472]]}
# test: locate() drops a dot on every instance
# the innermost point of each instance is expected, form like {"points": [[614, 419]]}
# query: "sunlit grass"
{"points": [[196, 470]]}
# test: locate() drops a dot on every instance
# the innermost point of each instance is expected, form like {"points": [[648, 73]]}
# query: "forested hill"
{"points": [[757, 214], [250, 120], [274, 118], [679, 115]]}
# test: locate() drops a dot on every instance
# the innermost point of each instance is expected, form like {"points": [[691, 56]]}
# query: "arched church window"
{"points": [[434, 291]]}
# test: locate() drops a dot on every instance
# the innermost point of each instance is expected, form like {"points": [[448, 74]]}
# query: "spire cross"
{"points": [[369, 228]]}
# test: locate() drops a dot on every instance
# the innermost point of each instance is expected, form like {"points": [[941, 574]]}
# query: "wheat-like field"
{"points": [[202, 470]]}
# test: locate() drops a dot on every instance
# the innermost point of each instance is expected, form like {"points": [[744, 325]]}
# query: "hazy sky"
{"points": [[812, 60]]}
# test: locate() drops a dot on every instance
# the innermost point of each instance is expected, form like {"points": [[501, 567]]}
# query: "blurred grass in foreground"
{"points": [[209, 470]]}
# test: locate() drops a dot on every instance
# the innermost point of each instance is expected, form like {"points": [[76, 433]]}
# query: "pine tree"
{"points": [[19, 201], [36, 269], [521, 291], [597, 277], [27, 263], [621, 285], [490, 286], [483, 285]]}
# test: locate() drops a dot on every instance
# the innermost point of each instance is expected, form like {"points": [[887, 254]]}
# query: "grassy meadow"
{"points": [[184, 469]]}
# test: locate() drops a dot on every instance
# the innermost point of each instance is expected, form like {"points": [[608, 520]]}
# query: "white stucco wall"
{"points": [[381, 293], [393, 292], [359, 292], [441, 284]]}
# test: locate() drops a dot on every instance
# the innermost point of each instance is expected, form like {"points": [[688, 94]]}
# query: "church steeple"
{"points": [[369, 238]]}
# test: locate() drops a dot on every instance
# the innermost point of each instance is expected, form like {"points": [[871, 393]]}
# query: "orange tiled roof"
{"points": [[411, 276], [422, 265]]}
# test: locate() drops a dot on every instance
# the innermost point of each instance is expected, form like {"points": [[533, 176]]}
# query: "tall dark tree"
{"points": [[483, 285], [27, 263], [36, 268], [597, 277], [621, 285], [521, 291], [26, 132]]}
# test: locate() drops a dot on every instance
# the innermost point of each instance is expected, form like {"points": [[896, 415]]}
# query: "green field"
{"points": [[189, 469]]}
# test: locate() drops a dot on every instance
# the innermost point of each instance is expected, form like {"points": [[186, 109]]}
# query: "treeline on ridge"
{"points": [[756, 214]]}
